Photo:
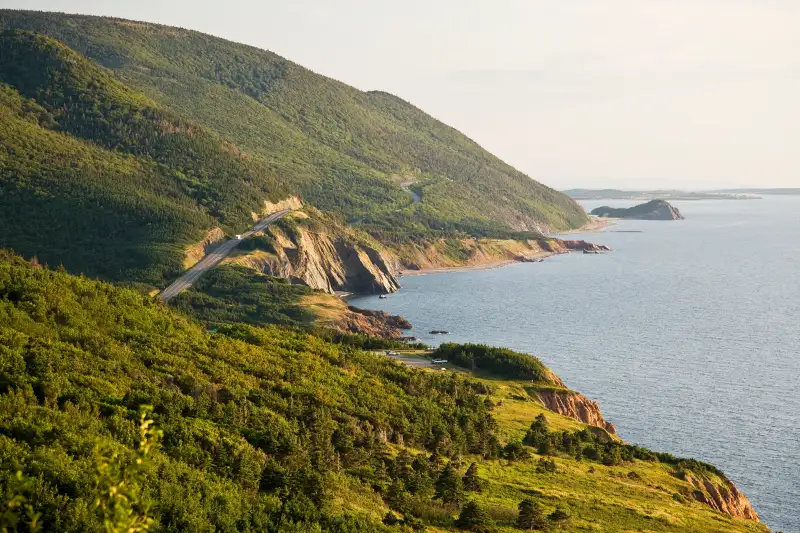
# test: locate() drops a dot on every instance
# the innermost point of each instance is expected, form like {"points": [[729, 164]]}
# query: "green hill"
{"points": [[270, 429], [343, 150], [100, 178]]}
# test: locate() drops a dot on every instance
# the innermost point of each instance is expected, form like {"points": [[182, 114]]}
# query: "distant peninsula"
{"points": [[652, 210], [616, 194]]}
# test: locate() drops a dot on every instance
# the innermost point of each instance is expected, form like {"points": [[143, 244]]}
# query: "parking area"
{"points": [[413, 358]]}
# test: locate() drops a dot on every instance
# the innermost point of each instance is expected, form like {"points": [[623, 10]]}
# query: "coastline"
{"points": [[482, 266], [594, 225]]}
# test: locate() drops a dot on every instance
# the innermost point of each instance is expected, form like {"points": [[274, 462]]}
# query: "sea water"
{"points": [[688, 334]]}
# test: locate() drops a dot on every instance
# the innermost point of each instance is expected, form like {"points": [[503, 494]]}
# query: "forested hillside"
{"points": [[273, 429], [343, 150], [99, 178]]}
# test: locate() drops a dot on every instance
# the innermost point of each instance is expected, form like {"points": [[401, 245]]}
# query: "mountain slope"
{"points": [[268, 429], [342, 149], [132, 219], [99, 178]]}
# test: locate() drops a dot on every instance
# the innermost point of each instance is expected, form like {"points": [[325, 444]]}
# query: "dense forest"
{"points": [[234, 294], [117, 412], [261, 427], [343, 150]]}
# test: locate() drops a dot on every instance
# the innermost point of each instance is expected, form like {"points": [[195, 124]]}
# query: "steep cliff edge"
{"points": [[652, 210], [317, 252], [574, 405], [713, 490], [721, 494], [332, 312]]}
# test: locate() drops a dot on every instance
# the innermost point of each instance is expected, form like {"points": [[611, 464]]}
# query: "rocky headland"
{"points": [[577, 406], [652, 210]]}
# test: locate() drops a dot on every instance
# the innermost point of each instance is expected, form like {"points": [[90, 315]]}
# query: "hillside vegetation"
{"points": [[270, 429], [99, 178], [343, 150]]}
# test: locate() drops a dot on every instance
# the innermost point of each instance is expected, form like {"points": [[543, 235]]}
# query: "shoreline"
{"points": [[594, 225], [483, 266]]}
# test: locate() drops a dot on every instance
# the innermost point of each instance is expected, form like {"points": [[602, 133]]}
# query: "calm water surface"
{"points": [[688, 334]]}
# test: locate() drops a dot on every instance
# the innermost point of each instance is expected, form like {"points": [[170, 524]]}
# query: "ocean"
{"points": [[688, 334]]}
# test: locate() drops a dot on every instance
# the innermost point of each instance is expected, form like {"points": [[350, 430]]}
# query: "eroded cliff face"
{"points": [[577, 406], [723, 496], [323, 261], [717, 492], [196, 252], [558, 245], [454, 253], [373, 323], [292, 203]]}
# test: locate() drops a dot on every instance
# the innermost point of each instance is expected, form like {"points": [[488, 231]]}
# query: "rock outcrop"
{"points": [[291, 203], [197, 251], [723, 496], [559, 246], [324, 261], [471, 252], [652, 210], [373, 323], [577, 406]]}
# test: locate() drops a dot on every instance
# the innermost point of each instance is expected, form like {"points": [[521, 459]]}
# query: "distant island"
{"points": [[652, 210], [616, 194]]}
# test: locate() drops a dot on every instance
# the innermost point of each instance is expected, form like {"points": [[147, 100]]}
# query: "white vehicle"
{"points": [[439, 361], [238, 237]]}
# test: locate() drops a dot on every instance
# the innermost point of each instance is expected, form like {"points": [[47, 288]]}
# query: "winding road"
{"points": [[214, 258]]}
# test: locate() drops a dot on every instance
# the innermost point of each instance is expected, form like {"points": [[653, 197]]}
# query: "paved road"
{"points": [[214, 258], [414, 362]]}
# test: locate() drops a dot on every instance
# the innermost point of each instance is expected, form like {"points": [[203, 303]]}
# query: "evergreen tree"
{"points": [[531, 516], [612, 457], [559, 515], [538, 432], [546, 466], [473, 518], [396, 493], [471, 481], [514, 451], [448, 485]]}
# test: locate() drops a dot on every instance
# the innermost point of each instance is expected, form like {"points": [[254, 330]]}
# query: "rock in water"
{"points": [[652, 210]]}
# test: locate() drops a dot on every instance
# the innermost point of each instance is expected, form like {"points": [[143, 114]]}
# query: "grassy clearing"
{"points": [[328, 309]]}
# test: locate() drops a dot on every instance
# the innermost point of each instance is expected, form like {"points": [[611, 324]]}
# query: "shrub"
{"points": [[546, 466], [473, 518], [471, 481], [501, 362], [531, 516], [515, 451]]}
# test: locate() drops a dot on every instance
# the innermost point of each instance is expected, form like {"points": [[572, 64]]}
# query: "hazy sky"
{"points": [[636, 93]]}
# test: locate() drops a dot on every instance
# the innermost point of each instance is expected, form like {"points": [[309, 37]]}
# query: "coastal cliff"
{"points": [[475, 253], [303, 250], [723, 496], [574, 405], [715, 491], [333, 312], [652, 210]]}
